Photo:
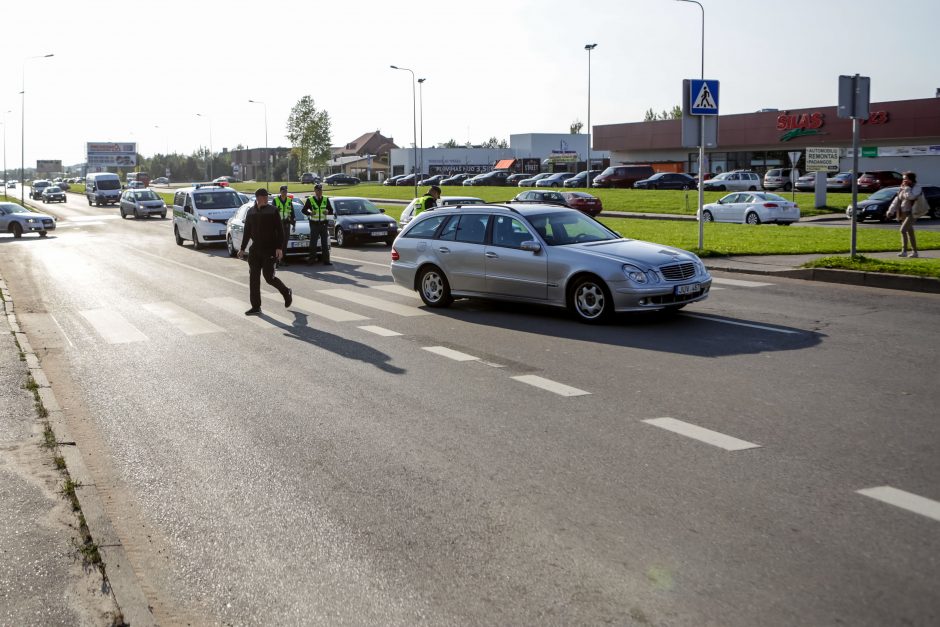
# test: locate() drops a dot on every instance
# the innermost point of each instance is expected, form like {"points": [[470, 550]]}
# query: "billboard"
{"points": [[822, 159], [47, 166], [110, 154]]}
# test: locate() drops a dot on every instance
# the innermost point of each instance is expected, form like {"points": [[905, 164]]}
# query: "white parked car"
{"points": [[752, 208], [737, 180], [298, 242], [444, 201]]}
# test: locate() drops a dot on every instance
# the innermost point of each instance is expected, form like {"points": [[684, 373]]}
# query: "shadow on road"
{"points": [[681, 333], [341, 346]]}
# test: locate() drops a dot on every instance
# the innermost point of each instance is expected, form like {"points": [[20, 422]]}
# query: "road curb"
{"points": [[125, 588], [927, 285]]}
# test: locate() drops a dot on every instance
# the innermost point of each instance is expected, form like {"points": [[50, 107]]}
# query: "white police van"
{"points": [[201, 212]]}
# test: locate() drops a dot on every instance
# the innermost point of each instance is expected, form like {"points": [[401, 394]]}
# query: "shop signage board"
{"points": [[822, 159]]}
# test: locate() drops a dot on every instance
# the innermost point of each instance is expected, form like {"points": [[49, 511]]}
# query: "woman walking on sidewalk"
{"points": [[907, 196]]}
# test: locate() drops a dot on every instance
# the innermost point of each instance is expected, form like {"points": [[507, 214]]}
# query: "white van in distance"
{"points": [[102, 188]]}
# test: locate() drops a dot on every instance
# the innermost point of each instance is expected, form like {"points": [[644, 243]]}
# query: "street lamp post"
{"points": [[23, 128], [5, 124], [421, 117], [587, 177], [267, 151], [414, 121], [209, 159], [701, 143]]}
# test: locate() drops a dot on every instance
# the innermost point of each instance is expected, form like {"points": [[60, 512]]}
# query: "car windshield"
{"points": [[353, 207], [766, 196], [145, 195], [569, 227], [53, 189], [884, 194], [217, 200]]}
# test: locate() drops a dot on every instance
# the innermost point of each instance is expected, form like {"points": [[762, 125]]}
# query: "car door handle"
{"points": [[443, 249], [491, 255]]}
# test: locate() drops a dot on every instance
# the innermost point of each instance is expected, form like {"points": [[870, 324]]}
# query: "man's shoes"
{"points": [[289, 298], [284, 264], [310, 260], [903, 253], [254, 311], [914, 254]]}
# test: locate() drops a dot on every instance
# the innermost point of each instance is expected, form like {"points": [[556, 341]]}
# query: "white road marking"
{"points": [[380, 331], [701, 434], [112, 326], [904, 500], [61, 330], [739, 282], [183, 319], [319, 309], [103, 216], [741, 324], [549, 385], [238, 307], [375, 303], [65, 225], [387, 266], [394, 288], [443, 351], [492, 365]]}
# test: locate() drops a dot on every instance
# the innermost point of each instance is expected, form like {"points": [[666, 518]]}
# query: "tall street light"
{"points": [[5, 124], [414, 121], [701, 142], [587, 177], [421, 117], [23, 127], [209, 159], [267, 151]]}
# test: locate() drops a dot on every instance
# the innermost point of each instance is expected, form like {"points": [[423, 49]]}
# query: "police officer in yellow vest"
{"points": [[285, 208], [428, 201], [317, 208]]}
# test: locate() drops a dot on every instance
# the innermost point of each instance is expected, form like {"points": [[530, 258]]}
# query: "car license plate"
{"points": [[296, 244], [688, 290], [378, 233]]}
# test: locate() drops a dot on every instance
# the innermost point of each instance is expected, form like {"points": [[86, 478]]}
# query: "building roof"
{"points": [[368, 144]]}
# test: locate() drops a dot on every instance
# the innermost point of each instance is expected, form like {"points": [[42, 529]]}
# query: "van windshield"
{"points": [[108, 184], [217, 200]]}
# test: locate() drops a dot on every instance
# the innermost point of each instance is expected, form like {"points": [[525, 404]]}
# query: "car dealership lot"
{"points": [[755, 459]]}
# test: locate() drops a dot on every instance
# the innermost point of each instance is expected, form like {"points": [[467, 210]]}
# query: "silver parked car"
{"points": [[17, 220], [736, 181], [142, 203], [530, 182], [298, 242], [443, 201], [541, 254]]}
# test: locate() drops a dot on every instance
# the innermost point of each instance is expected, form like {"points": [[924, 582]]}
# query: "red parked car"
{"points": [[876, 179], [584, 202]]}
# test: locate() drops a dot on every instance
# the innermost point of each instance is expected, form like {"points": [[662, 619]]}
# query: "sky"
{"points": [[141, 71]]}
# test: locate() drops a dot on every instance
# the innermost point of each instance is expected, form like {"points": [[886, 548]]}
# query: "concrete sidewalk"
{"points": [[42, 578]]}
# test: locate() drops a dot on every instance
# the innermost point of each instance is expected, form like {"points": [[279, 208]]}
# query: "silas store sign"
{"points": [[805, 124]]}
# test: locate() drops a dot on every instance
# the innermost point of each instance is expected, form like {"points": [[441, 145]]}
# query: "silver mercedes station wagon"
{"points": [[540, 254]]}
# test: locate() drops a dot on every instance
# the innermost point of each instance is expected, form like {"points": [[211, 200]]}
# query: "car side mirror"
{"points": [[531, 246], [381, 210]]}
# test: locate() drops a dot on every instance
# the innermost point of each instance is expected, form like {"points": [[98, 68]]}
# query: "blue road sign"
{"points": [[704, 97]]}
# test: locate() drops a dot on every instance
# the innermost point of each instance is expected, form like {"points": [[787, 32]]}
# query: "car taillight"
{"points": [[771, 205], [395, 255]]}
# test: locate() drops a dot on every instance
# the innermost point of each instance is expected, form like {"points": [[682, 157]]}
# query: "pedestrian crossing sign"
{"points": [[704, 96]]}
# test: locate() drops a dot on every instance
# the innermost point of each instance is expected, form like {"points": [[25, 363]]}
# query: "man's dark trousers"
{"points": [[320, 230], [262, 262]]}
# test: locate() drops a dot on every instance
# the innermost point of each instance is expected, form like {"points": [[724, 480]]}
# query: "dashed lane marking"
{"points": [[380, 331], [551, 386], [112, 326], [375, 303], [701, 434], [904, 500], [741, 324], [739, 282], [183, 319], [387, 266], [450, 353]]}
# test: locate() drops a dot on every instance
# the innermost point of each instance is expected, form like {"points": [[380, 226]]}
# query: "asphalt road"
{"points": [[360, 459]]}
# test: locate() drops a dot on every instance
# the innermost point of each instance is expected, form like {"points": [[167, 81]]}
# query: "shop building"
{"points": [[899, 135]]}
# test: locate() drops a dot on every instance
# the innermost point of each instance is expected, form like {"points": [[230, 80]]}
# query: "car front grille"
{"points": [[678, 271], [223, 221]]}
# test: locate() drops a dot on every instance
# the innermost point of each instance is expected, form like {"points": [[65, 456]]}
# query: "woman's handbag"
{"points": [[921, 207]]}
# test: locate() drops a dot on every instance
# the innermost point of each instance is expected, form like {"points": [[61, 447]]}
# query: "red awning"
{"points": [[504, 164]]}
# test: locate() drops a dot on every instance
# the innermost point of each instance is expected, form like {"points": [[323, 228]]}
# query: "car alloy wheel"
{"points": [[231, 247], [707, 216], [685, 188], [123, 215], [176, 234], [340, 238], [752, 189], [752, 218], [434, 288], [590, 300]]}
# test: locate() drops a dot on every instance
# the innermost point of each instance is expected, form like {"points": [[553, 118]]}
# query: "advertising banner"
{"points": [[48, 166], [110, 154]]}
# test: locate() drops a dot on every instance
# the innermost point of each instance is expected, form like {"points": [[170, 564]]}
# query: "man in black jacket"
{"points": [[263, 228]]}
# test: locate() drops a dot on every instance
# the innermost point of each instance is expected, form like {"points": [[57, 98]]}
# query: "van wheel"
{"points": [[196, 243], [89, 200], [176, 234], [787, 187]]}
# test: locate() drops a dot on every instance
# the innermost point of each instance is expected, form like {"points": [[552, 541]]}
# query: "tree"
{"points": [[450, 143], [309, 130], [649, 116], [493, 142], [676, 113], [673, 114], [576, 127]]}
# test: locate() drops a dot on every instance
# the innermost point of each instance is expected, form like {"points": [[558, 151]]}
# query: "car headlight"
{"points": [[203, 219], [31, 220], [357, 226], [634, 274]]}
